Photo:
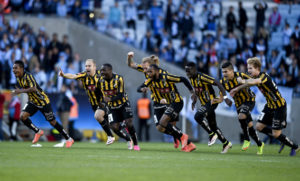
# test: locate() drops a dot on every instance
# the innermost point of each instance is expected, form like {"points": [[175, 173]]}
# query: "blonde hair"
{"points": [[92, 60], [153, 59], [255, 62]]}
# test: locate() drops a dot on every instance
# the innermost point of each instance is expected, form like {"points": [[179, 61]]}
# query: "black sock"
{"points": [[132, 133], [244, 127], [220, 135], [176, 132], [254, 136], [285, 140], [122, 133], [30, 125], [205, 126], [61, 130], [267, 131], [106, 128]]}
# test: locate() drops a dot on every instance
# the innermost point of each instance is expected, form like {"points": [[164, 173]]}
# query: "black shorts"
{"points": [[103, 107], [208, 111], [120, 114], [246, 107], [171, 110], [45, 110], [274, 117], [159, 110]]}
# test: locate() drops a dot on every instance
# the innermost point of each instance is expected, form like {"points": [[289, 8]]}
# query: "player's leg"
{"points": [[243, 123], [279, 123], [128, 117], [212, 122], [264, 121], [100, 116], [50, 117], [28, 111], [200, 118]]}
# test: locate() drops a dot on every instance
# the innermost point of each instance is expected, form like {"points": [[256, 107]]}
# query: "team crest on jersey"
{"points": [[91, 87]]}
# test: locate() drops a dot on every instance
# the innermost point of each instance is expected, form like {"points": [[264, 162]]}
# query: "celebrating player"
{"points": [[164, 91], [38, 101], [202, 84], [112, 87], [89, 79], [274, 112], [244, 102]]}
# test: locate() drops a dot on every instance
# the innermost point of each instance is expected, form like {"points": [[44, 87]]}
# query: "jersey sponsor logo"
{"points": [[164, 90], [91, 87], [198, 89], [110, 92]]}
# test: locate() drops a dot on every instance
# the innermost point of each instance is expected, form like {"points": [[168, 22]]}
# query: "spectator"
{"points": [[260, 9], [115, 16], [40, 76], [147, 43], [230, 20], [14, 22], [64, 104], [187, 24], [287, 33], [274, 20], [76, 10], [131, 14], [2, 100], [211, 18], [62, 9], [296, 35], [65, 44], [175, 26], [101, 23], [127, 39], [14, 116], [169, 14], [49, 7], [155, 14], [181, 54], [243, 18], [37, 7]]}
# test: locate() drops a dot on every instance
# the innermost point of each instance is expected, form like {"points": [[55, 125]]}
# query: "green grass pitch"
{"points": [[155, 161]]}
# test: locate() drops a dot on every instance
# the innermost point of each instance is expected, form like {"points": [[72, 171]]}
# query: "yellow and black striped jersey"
{"points": [[114, 89], [270, 91], [164, 88], [90, 84], [38, 98], [203, 86], [140, 69], [242, 96]]}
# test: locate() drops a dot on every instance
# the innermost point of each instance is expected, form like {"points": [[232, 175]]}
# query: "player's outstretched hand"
{"points": [[61, 73], [163, 101]]}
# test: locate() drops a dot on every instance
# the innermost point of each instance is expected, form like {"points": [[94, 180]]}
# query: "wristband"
{"points": [[225, 97]]}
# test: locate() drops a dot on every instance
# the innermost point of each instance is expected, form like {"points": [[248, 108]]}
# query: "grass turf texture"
{"points": [[155, 161]]}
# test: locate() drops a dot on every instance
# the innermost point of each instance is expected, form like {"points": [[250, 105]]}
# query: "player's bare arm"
{"points": [[67, 75], [130, 61], [223, 91]]}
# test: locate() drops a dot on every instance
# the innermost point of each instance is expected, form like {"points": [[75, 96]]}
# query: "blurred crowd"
{"points": [[177, 31]]}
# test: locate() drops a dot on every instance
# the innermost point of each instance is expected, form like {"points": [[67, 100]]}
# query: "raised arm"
{"points": [[130, 61], [245, 83], [67, 75]]}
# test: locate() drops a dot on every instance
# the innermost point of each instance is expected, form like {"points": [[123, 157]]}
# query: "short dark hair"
{"points": [[20, 63], [107, 65], [227, 65], [191, 64], [154, 66]]}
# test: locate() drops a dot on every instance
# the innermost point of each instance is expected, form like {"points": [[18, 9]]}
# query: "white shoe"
{"points": [[212, 139], [226, 147], [110, 140], [130, 145], [60, 145]]}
